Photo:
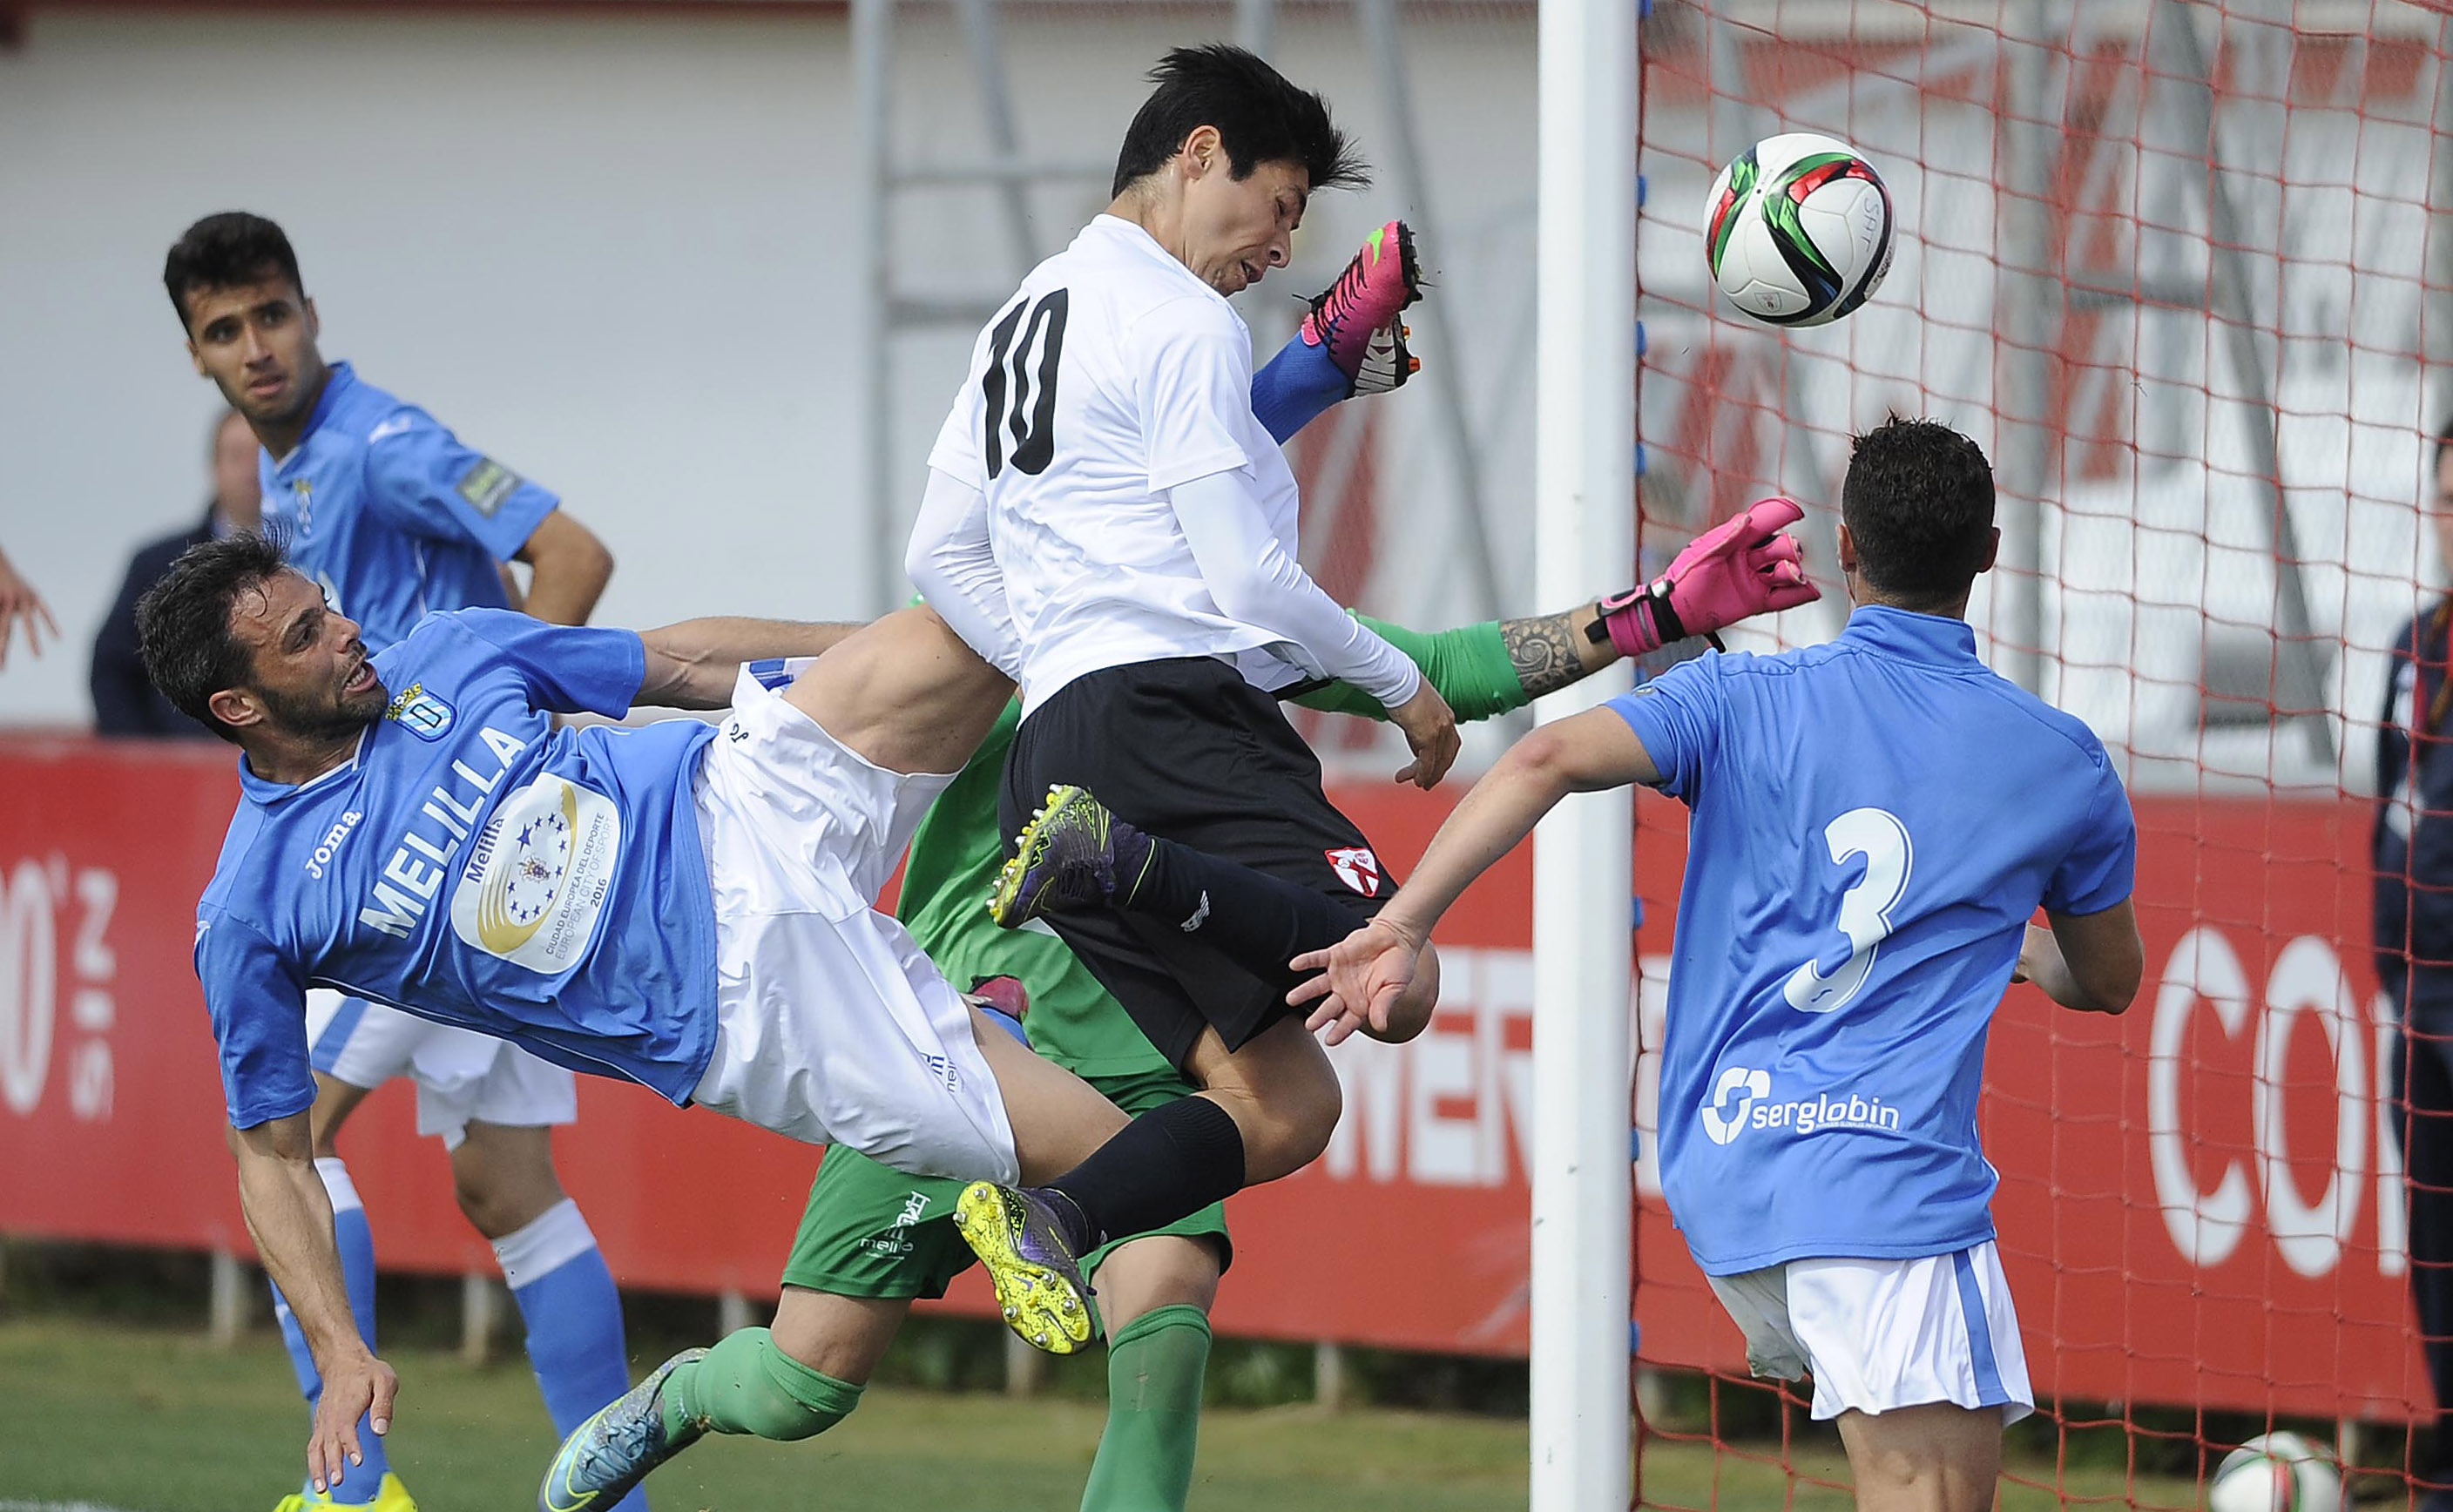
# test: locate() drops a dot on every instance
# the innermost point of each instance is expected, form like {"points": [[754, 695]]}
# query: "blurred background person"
{"points": [[124, 701], [18, 601]]}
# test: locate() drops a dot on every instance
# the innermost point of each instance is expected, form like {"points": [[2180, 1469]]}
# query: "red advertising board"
{"points": [[2200, 1201]]}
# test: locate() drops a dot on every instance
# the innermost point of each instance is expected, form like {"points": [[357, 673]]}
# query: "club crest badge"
{"points": [[423, 714], [1357, 868]]}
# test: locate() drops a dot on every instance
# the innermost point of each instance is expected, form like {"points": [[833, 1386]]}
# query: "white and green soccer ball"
{"points": [[1798, 230], [2276, 1472]]}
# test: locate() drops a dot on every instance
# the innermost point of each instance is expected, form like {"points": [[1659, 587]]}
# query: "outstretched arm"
{"points": [[1743, 567], [1486, 669], [694, 663], [1252, 578], [291, 1221], [1364, 975]]}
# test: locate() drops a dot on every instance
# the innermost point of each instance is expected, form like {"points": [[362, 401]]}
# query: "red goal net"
{"points": [[2177, 267]]}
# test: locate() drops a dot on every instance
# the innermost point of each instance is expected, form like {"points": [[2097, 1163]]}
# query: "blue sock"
{"points": [[573, 1314], [357, 1246], [1299, 382]]}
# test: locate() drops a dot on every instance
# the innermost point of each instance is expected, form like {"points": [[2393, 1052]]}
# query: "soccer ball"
{"points": [[2276, 1472], [1798, 230]]}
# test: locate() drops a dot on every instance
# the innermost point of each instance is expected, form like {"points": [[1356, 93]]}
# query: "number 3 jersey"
{"points": [[474, 865], [1875, 820]]}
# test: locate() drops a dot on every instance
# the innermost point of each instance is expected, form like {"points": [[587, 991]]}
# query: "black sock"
{"points": [[1258, 921], [1170, 1162]]}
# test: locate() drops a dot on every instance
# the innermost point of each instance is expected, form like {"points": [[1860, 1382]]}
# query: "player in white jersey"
{"points": [[1109, 522]]}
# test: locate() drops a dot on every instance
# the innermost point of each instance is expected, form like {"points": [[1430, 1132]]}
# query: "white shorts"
{"points": [[1879, 1334], [831, 1026], [461, 1076]]}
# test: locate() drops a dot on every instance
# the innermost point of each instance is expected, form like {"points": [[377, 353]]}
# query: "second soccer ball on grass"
{"points": [[1798, 230]]}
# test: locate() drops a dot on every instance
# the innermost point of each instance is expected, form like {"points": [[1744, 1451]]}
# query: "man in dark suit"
{"points": [[2413, 848], [124, 700]]}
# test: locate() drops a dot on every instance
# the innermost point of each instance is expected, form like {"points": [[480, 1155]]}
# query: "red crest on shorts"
{"points": [[1357, 868]]}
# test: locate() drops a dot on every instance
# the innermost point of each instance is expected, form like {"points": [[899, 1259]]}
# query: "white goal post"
{"points": [[1583, 872]]}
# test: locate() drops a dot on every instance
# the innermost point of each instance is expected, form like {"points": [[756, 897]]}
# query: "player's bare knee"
{"points": [[1290, 1126], [334, 1101], [503, 1177], [1932, 1457], [842, 1337], [1159, 1270], [1280, 1089]]}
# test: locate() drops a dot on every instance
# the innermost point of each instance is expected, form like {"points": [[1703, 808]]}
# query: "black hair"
{"points": [[1919, 502], [224, 250], [1261, 118], [2436, 458], [183, 622]]}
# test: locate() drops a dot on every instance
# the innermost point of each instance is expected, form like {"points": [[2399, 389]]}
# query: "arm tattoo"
{"points": [[1544, 651]]}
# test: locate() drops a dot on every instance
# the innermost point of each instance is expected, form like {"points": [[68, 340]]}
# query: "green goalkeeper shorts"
{"points": [[872, 1231]]}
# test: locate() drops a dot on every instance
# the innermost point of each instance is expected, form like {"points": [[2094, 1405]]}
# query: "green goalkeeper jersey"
{"points": [[956, 853]]}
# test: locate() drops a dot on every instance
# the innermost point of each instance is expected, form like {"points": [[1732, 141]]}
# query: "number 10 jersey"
{"points": [[1111, 376], [1875, 822]]}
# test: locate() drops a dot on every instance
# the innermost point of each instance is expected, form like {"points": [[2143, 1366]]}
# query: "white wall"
{"points": [[607, 249], [599, 251]]}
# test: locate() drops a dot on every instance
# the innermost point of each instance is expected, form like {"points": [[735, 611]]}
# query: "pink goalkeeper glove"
{"points": [[1741, 568]]}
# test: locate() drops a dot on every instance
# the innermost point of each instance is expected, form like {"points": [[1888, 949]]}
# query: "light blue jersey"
{"points": [[1875, 822], [391, 515], [476, 865]]}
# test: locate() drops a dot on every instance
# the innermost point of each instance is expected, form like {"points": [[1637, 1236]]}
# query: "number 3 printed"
{"points": [[1865, 909]]}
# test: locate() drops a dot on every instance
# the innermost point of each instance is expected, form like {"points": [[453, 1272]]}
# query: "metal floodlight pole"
{"points": [[2436, 310], [2029, 322], [1583, 486], [2300, 673], [872, 63], [1256, 26], [982, 35]]}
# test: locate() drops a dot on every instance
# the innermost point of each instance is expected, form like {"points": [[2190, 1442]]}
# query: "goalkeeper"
{"points": [[872, 1239]]}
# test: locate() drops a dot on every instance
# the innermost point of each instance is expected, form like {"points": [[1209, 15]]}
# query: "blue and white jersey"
{"points": [[391, 515], [476, 866], [1875, 821]]}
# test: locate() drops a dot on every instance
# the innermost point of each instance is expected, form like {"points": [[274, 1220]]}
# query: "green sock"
{"points": [[748, 1385], [1154, 1368]]}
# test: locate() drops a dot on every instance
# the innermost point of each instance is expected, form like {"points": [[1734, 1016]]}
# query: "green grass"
{"points": [[157, 1421]]}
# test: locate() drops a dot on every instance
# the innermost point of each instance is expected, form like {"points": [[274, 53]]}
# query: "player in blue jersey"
{"points": [[683, 906], [392, 516], [1876, 823]]}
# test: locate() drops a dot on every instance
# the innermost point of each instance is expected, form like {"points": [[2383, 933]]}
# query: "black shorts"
{"points": [[1188, 750]]}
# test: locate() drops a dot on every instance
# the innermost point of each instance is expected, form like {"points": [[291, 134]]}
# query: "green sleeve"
{"points": [[1470, 666]]}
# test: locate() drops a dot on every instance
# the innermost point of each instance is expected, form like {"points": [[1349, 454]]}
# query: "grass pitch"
{"points": [[155, 1421]]}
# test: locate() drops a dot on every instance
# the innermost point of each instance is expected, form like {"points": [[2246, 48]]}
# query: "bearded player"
{"points": [[392, 516]]}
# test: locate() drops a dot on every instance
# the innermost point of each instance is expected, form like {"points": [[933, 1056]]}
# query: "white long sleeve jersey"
{"points": [[1104, 495]]}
